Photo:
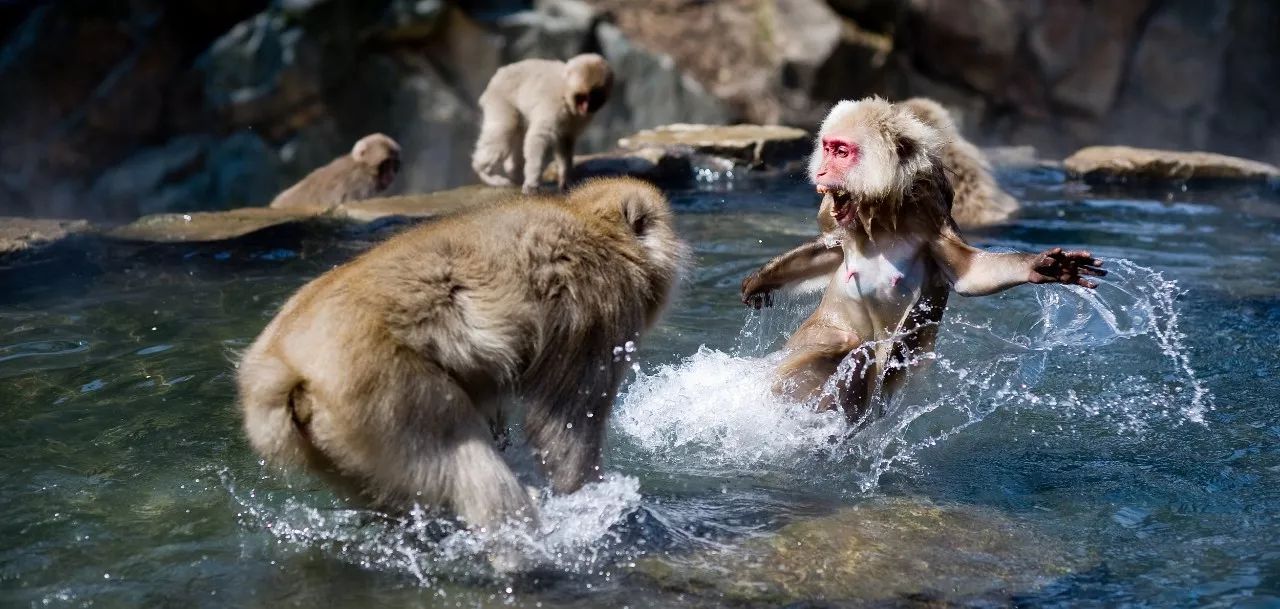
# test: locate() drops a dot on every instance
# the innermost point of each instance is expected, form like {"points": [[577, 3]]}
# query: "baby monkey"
{"points": [[896, 255], [367, 170], [533, 107]]}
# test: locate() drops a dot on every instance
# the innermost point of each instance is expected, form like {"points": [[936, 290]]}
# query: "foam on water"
{"points": [[714, 413], [576, 533]]}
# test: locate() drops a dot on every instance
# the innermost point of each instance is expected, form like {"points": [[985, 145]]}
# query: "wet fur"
{"points": [[387, 374]]}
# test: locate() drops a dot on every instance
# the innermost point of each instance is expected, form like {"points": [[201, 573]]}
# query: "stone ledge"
{"points": [[1114, 163], [20, 235], [208, 226], [755, 145]]}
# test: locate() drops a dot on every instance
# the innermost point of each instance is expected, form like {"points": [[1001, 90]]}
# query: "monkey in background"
{"points": [[535, 107], [367, 170], [979, 199], [896, 256], [387, 374]]}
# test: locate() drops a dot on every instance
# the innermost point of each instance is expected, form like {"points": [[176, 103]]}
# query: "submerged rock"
{"points": [[756, 145], [1107, 163], [889, 549], [207, 226], [21, 235]]}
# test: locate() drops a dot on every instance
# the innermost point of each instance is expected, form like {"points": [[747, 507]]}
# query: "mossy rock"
{"points": [[883, 550]]}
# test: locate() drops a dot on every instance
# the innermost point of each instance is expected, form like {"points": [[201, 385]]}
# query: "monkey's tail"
{"points": [[277, 410]]}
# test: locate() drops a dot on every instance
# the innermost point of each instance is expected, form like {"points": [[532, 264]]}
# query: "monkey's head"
{"points": [[643, 214], [381, 155], [588, 82], [869, 156]]}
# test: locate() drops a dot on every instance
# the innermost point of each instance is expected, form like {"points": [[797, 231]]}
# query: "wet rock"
{"points": [[1018, 157], [207, 226], [884, 550], [650, 163], [24, 235], [424, 206], [755, 145], [1113, 163]]}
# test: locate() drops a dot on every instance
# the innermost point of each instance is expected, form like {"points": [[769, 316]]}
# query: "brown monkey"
{"points": [[387, 374], [367, 170], [533, 107], [979, 199], [899, 253]]}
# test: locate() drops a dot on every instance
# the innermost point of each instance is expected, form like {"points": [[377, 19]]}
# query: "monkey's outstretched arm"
{"points": [[973, 272], [813, 259]]}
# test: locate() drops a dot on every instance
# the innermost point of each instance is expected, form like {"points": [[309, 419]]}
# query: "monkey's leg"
{"points": [[492, 159], [816, 350], [564, 159], [567, 414], [538, 141], [416, 436]]}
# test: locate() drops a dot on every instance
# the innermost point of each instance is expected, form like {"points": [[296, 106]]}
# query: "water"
{"points": [[1131, 430]]}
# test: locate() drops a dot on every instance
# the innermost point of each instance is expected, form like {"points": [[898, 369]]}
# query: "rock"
{"points": [[883, 550], [1108, 163], [975, 41], [207, 226], [1018, 157], [755, 145], [151, 180], [424, 206], [648, 163], [651, 90], [807, 33], [24, 235]]}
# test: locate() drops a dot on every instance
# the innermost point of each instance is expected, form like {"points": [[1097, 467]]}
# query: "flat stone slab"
{"points": [[884, 550], [1121, 162], [207, 226], [652, 163], [423, 206], [18, 235], [767, 145]]}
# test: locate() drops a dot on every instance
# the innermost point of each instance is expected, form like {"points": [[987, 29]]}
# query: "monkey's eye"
{"points": [[841, 151]]}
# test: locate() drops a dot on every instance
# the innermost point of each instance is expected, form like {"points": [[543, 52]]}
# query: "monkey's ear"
{"points": [[635, 212]]}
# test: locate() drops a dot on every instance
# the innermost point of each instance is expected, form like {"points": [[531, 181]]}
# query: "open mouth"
{"points": [[842, 208]]}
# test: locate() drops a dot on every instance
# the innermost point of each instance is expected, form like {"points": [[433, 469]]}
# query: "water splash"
{"points": [[1053, 356], [577, 533]]}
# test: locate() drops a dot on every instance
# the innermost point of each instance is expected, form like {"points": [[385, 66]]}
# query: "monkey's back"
{"points": [[479, 293]]}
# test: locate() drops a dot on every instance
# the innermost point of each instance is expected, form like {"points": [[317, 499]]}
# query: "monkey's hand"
{"points": [[1057, 266], [755, 293]]}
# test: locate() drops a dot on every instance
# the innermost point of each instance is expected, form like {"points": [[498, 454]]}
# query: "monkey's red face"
{"points": [[839, 157], [387, 171]]}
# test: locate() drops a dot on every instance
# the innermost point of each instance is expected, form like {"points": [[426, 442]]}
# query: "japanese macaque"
{"points": [[978, 199], [367, 170], [535, 107], [388, 374], [895, 255]]}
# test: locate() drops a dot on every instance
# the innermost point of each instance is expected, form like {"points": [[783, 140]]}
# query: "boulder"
{"points": [[1115, 163], [884, 550], [24, 235], [754, 145], [207, 226]]}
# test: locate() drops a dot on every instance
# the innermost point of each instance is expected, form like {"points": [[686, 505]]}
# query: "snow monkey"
{"points": [[896, 255], [978, 199], [533, 107], [367, 170], [387, 375]]}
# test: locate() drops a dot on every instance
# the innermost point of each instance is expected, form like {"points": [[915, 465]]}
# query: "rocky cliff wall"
{"points": [[116, 108]]}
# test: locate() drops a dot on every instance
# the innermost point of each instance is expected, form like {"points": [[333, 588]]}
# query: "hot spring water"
{"points": [[1133, 427]]}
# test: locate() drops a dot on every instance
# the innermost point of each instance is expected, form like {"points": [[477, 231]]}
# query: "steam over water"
{"points": [[1131, 429]]}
